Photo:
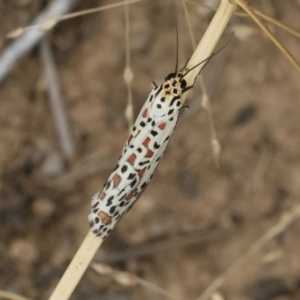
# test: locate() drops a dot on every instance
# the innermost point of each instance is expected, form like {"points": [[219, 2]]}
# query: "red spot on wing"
{"points": [[129, 196], [141, 172], [131, 159], [146, 142], [102, 196], [105, 218], [162, 125], [149, 153], [145, 113], [116, 180]]}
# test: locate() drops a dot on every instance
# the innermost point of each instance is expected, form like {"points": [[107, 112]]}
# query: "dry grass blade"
{"points": [[257, 12], [243, 4], [281, 226], [276, 22]]}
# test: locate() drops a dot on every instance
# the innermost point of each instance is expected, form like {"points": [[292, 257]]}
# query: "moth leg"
{"points": [[153, 84], [184, 67], [183, 109], [192, 85]]}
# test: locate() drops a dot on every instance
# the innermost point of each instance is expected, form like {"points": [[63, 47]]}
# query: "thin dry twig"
{"points": [[247, 8], [286, 220], [129, 279], [55, 98], [257, 12], [19, 48]]}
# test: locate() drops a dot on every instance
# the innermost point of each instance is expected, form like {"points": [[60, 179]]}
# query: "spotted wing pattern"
{"points": [[140, 156]]}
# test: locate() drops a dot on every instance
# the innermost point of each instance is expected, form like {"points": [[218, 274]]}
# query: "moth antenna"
{"points": [[177, 38], [209, 58]]}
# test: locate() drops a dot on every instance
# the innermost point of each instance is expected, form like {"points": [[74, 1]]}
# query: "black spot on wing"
{"points": [[107, 185], [112, 209], [132, 184], [96, 204], [153, 132], [124, 169], [109, 200], [144, 162], [121, 191], [131, 176]]}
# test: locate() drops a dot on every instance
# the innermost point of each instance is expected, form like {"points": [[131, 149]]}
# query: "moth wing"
{"points": [[142, 117]]}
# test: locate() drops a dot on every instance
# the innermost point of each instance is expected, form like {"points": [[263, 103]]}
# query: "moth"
{"points": [[142, 152]]}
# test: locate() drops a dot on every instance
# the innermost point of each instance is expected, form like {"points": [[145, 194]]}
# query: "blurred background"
{"points": [[194, 221]]}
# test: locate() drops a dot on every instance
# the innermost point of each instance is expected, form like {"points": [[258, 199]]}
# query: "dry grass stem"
{"points": [[11, 296], [286, 220], [276, 22], [257, 12], [59, 113], [243, 4], [77, 267]]}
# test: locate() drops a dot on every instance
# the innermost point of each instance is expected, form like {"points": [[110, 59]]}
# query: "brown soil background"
{"points": [[194, 220]]}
